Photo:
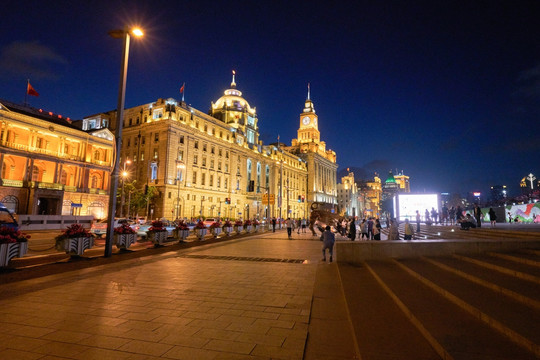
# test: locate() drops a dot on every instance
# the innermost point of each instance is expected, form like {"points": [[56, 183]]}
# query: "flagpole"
{"points": [[26, 94], [183, 91]]}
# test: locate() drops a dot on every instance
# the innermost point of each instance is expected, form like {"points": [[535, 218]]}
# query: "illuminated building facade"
{"points": [[49, 166], [370, 197], [403, 182], [321, 183], [347, 195], [208, 165]]}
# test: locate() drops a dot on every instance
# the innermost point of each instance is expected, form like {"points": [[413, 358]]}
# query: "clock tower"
{"points": [[309, 127]]}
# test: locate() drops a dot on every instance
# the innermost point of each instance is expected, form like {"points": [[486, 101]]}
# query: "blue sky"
{"points": [[447, 91]]}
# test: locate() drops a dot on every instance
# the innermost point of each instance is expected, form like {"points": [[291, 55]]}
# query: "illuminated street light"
{"points": [[180, 167], [125, 174], [113, 188]]}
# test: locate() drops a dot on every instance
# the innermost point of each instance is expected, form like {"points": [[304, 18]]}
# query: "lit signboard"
{"points": [[477, 194], [405, 205]]}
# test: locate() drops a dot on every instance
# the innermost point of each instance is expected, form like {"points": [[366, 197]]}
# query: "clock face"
{"points": [[306, 120]]}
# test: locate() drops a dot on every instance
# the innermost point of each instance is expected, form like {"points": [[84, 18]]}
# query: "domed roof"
{"points": [[390, 179], [232, 100]]}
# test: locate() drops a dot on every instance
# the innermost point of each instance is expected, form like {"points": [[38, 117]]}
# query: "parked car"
{"points": [[100, 228], [7, 219], [142, 230], [209, 221]]}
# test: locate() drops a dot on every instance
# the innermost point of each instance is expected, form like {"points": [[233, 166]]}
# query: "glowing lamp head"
{"points": [[137, 32], [124, 173]]}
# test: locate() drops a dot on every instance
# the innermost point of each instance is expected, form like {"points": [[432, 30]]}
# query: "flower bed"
{"points": [[75, 240], [124, 236], [13, 243], [157, 233]]}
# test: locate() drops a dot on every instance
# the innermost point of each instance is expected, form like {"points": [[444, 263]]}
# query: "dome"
{"points": [[232, 100], [390, 179]]}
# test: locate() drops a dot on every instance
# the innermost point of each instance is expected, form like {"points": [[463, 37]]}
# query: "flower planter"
{"points": [[249, 228], [228, 230], [215, 231], [11, 250], [157, 237], [75, 246], [200, 233], [124, 241], [238, 229], [181, 235]]}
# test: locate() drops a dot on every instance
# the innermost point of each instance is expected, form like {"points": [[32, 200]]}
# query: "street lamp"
{"points": [[125, 174], [180, 166], [124, 34]]}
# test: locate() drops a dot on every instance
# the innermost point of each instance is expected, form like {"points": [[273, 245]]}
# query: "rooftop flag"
{"points": [[30, 90]]}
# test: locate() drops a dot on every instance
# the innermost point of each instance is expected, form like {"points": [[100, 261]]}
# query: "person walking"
{"points": [[352, 230], [418, 219], [290, 224], [377, 230], [370, 229], [299, 225], [409, 231], [492, 217], [393, 232], [304, 224], [477, 215], [273, 224], [363, 230], [328, 239]]}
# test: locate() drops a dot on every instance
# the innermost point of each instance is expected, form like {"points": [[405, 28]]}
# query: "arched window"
{"points": [[12, 203]]}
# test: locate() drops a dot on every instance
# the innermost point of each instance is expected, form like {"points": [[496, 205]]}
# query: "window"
{"points": [[220, 152], [153, 171], [204, 161], [226, 167], [219, 165], [181, 139], [156, 137], [218, 184], [204, 147], [169, 196], [180, 155], [226, 154], [194, 181], [211, 164], [203, 179], [158, 113], [211, 182], [195, 159], [196, 144], [225, 182], [213, 150], [142, 156], [143, 140], [130, 121], [213, 131], [155, 153], [205, 128]]}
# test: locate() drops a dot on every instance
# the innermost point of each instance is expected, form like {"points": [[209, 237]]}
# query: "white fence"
{"points": [[52, 222]]}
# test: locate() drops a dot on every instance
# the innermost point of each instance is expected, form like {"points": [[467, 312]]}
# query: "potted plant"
{"points": [[74, 240], [13, 243], [181, 232], [124, 236], [228, 227], [248, 225], [157, 233], [238, 226], [200, 230], [215, 229], [257, 225]]}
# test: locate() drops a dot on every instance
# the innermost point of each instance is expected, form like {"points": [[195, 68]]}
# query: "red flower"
{"points": [[200, 225], [124, 229]]}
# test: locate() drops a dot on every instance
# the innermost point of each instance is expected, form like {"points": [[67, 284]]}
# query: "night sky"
{"points": [[447, 91]]}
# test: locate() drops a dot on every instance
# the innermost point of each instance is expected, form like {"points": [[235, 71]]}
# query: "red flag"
{"points": [[182, 88], [31, 91]]}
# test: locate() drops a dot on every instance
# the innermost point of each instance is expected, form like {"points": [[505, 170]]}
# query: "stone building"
{"points": [[49, 166]]}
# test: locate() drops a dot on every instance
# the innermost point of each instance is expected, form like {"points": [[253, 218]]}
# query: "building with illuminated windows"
{"points": [[212, 165], [321, 183], [347, 196], [51, 167]]}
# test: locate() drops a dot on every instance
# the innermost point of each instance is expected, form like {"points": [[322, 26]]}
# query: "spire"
{"points": [[308, 92], [233, 84]]}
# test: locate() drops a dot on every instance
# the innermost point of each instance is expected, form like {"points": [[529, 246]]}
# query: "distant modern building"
{"points": [[347, 196]]}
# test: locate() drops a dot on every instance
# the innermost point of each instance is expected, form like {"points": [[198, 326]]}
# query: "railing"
{"points": [[57, 154], [50, 186], [12, 183]]}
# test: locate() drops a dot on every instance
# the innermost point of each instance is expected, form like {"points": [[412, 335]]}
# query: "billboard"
{"points": [[405, 205]]}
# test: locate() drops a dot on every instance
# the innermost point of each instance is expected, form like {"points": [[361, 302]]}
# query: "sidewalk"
{"points": [[256, 297]]}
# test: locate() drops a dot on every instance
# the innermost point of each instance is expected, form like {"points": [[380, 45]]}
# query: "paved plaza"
{"points": [[248, 298]]}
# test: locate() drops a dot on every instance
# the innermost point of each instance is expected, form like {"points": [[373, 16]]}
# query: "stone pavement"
{"points": [[250, 298]]}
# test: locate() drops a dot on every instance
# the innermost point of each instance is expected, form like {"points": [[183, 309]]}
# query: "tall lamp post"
{"points": [[123, 34], [180, 166]]}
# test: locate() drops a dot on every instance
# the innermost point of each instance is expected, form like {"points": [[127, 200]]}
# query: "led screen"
{"points": [[407, 204]]}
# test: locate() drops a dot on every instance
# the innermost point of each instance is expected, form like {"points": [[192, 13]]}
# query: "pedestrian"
{"points": [[509, 217], [273, 224], [304, 224], [492, 217], [363, 230], [418, 221], [452, 215], [434, 215], [370, 228], [427, 219], [299, 225], [477, 215], [290, 224], [409, 231], [329, 239], [377, 230], [393, 232], [352, 230]]}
